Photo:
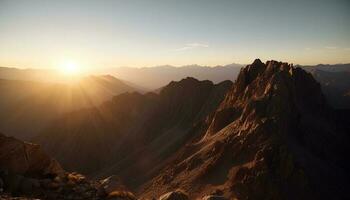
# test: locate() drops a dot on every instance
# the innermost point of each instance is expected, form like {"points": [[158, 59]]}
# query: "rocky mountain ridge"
{"points": [[272, 137]]}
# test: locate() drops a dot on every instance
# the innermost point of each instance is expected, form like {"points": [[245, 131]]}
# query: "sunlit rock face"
{"points": [[272, 137]]}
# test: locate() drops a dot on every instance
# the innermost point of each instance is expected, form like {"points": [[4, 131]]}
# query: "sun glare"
{"points": [[70, 68]]}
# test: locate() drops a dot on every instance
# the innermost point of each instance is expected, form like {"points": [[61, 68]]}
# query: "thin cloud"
{"points": [[192, 46], [307, 48], [331, 47], [197, 45]]}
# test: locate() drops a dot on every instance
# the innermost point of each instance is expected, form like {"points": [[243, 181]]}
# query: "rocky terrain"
{"points": [[270, 135], [27, 172]]}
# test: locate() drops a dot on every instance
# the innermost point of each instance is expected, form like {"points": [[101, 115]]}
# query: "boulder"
{"points": [[174, 195], [25, 158]]}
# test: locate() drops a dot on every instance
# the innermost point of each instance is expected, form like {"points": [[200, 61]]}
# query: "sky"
{"points": [[144, 33]]}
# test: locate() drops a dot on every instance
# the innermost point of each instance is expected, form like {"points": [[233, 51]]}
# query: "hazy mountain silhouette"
{"points": [[327, 67], [37, 75], [156, 77], [28, 106]]}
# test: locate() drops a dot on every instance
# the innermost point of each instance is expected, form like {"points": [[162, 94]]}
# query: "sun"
{"points": [[70, 68]]}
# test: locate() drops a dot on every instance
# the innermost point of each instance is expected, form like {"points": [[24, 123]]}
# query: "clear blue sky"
{"points": [[147, 33]]}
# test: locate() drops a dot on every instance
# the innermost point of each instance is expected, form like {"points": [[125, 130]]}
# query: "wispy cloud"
{"points": [[331, 47], [192, 46], [307, 48]]}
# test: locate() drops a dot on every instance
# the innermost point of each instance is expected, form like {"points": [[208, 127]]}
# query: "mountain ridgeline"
{"points": [[133, 130], [271, 134]]}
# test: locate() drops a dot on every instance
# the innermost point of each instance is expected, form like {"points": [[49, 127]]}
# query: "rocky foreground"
{"points": [[28, 173]]}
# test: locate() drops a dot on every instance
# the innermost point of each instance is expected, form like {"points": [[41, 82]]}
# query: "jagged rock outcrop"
{"points": [[273, 137]]}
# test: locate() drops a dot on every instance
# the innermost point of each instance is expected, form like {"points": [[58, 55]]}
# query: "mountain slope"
{"points": [[273, 137], [132, 124], [28, 106]]}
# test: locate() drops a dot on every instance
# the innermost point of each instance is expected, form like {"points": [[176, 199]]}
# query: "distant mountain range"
{"points": [[30, 91], [327, 67], [155, 77], [38, 75], [334, 79]]}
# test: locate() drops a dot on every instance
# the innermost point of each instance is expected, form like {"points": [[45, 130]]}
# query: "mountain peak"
{"points": [[258, 79], [265, 140], [257, 62]]}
